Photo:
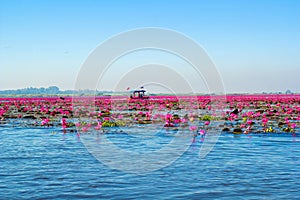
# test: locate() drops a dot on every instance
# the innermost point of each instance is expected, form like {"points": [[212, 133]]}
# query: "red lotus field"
{"points": [[238, 114]]}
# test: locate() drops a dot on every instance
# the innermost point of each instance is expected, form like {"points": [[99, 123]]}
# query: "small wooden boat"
{"points": [[139, 94]]}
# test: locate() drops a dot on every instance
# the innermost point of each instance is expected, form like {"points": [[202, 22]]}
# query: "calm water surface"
{"points": [[47, 164]]}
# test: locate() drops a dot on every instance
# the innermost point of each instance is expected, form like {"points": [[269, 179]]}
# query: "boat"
{"points": [[139, 94]]}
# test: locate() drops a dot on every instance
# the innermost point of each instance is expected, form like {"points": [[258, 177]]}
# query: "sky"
{"points": [[254, 44]]}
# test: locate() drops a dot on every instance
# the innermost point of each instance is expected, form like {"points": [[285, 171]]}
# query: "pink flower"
{"points": [[233, 115], [148, 115], [184, 120], [264, 120], [120, 116], [202, 132], [193, 128], [84, 129], [168, 124], [293, 125], [98, 127], [249, 114], [168, 116], [177, 121], [207, 123], [45, 122]]}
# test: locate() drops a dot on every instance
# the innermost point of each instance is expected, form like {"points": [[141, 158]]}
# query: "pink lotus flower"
{"points": [[177, 121], [249, 122], [202, 132], [264, 120], [234, 116], [193, 128], [120, 116], [169, 124], [184, 120], [207, 123], [168, 116], [293, 125], [84, 129], [98, 127], [148, 115], [45, 122], [287, 121]]}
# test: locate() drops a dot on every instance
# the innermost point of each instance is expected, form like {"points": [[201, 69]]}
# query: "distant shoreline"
{"points": [[4, 96], [54, 91]]}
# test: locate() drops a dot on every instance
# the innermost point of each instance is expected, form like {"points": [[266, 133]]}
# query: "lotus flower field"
{"points": [[233, 114]]}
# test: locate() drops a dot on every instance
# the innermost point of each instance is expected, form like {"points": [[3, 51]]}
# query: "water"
{"points": [[47, 164]]}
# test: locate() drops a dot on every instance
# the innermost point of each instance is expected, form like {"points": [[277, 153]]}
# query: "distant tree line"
{"points": [[286, 92], [32, 90], [52, 90]]}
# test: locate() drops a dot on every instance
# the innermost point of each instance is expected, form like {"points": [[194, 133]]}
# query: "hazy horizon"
{"points": [[255, 45]]}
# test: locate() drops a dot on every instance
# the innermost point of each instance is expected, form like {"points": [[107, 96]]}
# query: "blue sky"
{"points": [[254, 44]]}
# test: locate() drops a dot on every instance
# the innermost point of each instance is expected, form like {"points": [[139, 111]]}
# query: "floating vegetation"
{"points": [[237, 114]]}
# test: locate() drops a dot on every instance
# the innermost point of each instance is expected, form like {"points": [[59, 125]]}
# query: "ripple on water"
{"points": [[35, 163]]}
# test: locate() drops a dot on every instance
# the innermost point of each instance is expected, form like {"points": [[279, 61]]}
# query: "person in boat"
{"points": [[139, 94]]}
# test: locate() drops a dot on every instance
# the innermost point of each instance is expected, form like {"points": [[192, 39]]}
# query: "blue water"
{"points": [[47, 164]]}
